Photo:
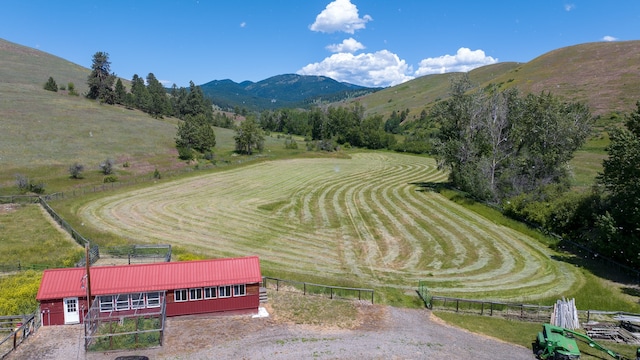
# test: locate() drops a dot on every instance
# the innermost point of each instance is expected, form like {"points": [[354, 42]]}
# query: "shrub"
{"points": [[156, 174], [25, 185], [290, 144], [51, 85], [185, 153], [110, 179], [107, 167], [72, 89], [126, 164], [76, 170]]}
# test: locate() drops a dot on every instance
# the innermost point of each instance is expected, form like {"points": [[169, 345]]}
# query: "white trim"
{"points": [[227, 292], [239, 287], [153, 302], [213, 289], [196, 292], [103, 304], [182, 298]]}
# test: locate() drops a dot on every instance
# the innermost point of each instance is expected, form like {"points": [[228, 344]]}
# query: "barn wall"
{"points": [[52, 311], [251, 301]]}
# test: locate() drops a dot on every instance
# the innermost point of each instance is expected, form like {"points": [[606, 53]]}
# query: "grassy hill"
{"points": [[44, 132], [605, 75]]}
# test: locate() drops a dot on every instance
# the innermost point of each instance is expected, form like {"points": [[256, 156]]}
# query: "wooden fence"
{"points": [[333, 292], [18, 329], [524, 312]]}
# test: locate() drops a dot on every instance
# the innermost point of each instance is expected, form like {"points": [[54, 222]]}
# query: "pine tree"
{"points": [[51, 85], [101, 79]]}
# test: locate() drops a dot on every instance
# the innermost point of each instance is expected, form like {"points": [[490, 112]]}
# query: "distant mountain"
{"points": [[289, 90]]}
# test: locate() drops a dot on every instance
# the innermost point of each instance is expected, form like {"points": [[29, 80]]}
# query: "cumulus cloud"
{"points": [[609, 38], [569, 7], [340, 15], [464, 60], [349, 45], [380, 69]]}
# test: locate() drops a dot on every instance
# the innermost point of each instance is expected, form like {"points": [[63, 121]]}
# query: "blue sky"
{"points": [[365, 42]]}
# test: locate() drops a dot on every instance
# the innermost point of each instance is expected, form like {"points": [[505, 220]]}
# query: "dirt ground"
{"points": [[384, 333]]}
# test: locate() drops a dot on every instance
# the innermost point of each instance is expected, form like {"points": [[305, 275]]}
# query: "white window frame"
{"points": [[224, 291], [121, 302], [213, 292], [137, 301], [184, 295], [239, 290], [195, 294], [153, 301], [104, 302]]}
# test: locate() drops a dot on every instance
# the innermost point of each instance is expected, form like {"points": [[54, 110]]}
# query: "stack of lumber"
{"points": [[565, 314]]}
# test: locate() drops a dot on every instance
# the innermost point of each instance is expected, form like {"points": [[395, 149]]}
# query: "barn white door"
{"points": [[71, 312]]}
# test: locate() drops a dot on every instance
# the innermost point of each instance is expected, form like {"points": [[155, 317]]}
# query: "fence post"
{"points": [[457, 304], [482, 308], [331, 292], [491, 311], [304, 288]]}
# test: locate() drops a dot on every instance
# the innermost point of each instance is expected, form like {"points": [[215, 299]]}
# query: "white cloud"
{"points": [[243, 24], [165, 83], [349, 45], [609, 38], [380, 69], [340, 15], [569, 7], [464, 60]]}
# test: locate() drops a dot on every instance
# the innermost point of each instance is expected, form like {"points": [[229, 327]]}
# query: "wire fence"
{"points": [[332, 292]]}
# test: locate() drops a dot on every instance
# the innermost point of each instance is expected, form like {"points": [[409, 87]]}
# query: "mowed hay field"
{"points": [[362, 222]]}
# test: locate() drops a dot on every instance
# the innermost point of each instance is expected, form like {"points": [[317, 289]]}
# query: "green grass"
{"points": [[119, 341], [29, 238], [522, 333]]}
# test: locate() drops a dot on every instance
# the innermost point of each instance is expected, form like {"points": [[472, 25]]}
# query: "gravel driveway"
{"points": [[384, 333]]}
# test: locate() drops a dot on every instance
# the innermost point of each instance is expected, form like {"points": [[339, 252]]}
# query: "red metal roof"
{"points": [[121, 279]]}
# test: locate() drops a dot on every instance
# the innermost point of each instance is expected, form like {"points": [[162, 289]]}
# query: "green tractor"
{"points": [[557, 343]]}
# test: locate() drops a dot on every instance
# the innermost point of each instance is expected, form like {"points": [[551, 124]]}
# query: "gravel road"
{"points": [[384, 333]]}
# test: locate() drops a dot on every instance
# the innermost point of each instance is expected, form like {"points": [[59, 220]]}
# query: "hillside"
{"points": [[288, 90], [44, 132], [605, 75]]}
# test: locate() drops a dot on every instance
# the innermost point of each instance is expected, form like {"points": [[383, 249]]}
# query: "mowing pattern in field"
{"points": [[363, 221]]}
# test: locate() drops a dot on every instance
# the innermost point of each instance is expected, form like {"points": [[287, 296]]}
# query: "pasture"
{"points": [[367, 221]]}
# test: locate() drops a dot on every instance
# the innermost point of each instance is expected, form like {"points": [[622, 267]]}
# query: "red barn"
{"points": [[188, 287]]}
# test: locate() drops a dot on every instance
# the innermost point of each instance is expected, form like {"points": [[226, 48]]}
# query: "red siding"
{"points": [[247, 302], [112, 280], [52, 311]]}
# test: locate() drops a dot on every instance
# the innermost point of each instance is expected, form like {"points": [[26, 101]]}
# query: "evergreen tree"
{"points": [[196, 133], [101, 79], [120, 93], [140, 98], [51, 85], [158, 101]]}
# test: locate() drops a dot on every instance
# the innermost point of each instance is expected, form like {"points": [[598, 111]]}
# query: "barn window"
{"points": [[153, 299], [122, 302], [239, 290], [195, 294], [106, 303], [181, 295], [210, 292], [224, 291], [137, 301]]}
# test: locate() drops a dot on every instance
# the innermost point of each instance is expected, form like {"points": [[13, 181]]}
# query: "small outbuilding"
{"points": [[182, 288]]}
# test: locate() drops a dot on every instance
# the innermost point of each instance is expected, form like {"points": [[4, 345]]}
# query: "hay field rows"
{"points": [[361, 221]]}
